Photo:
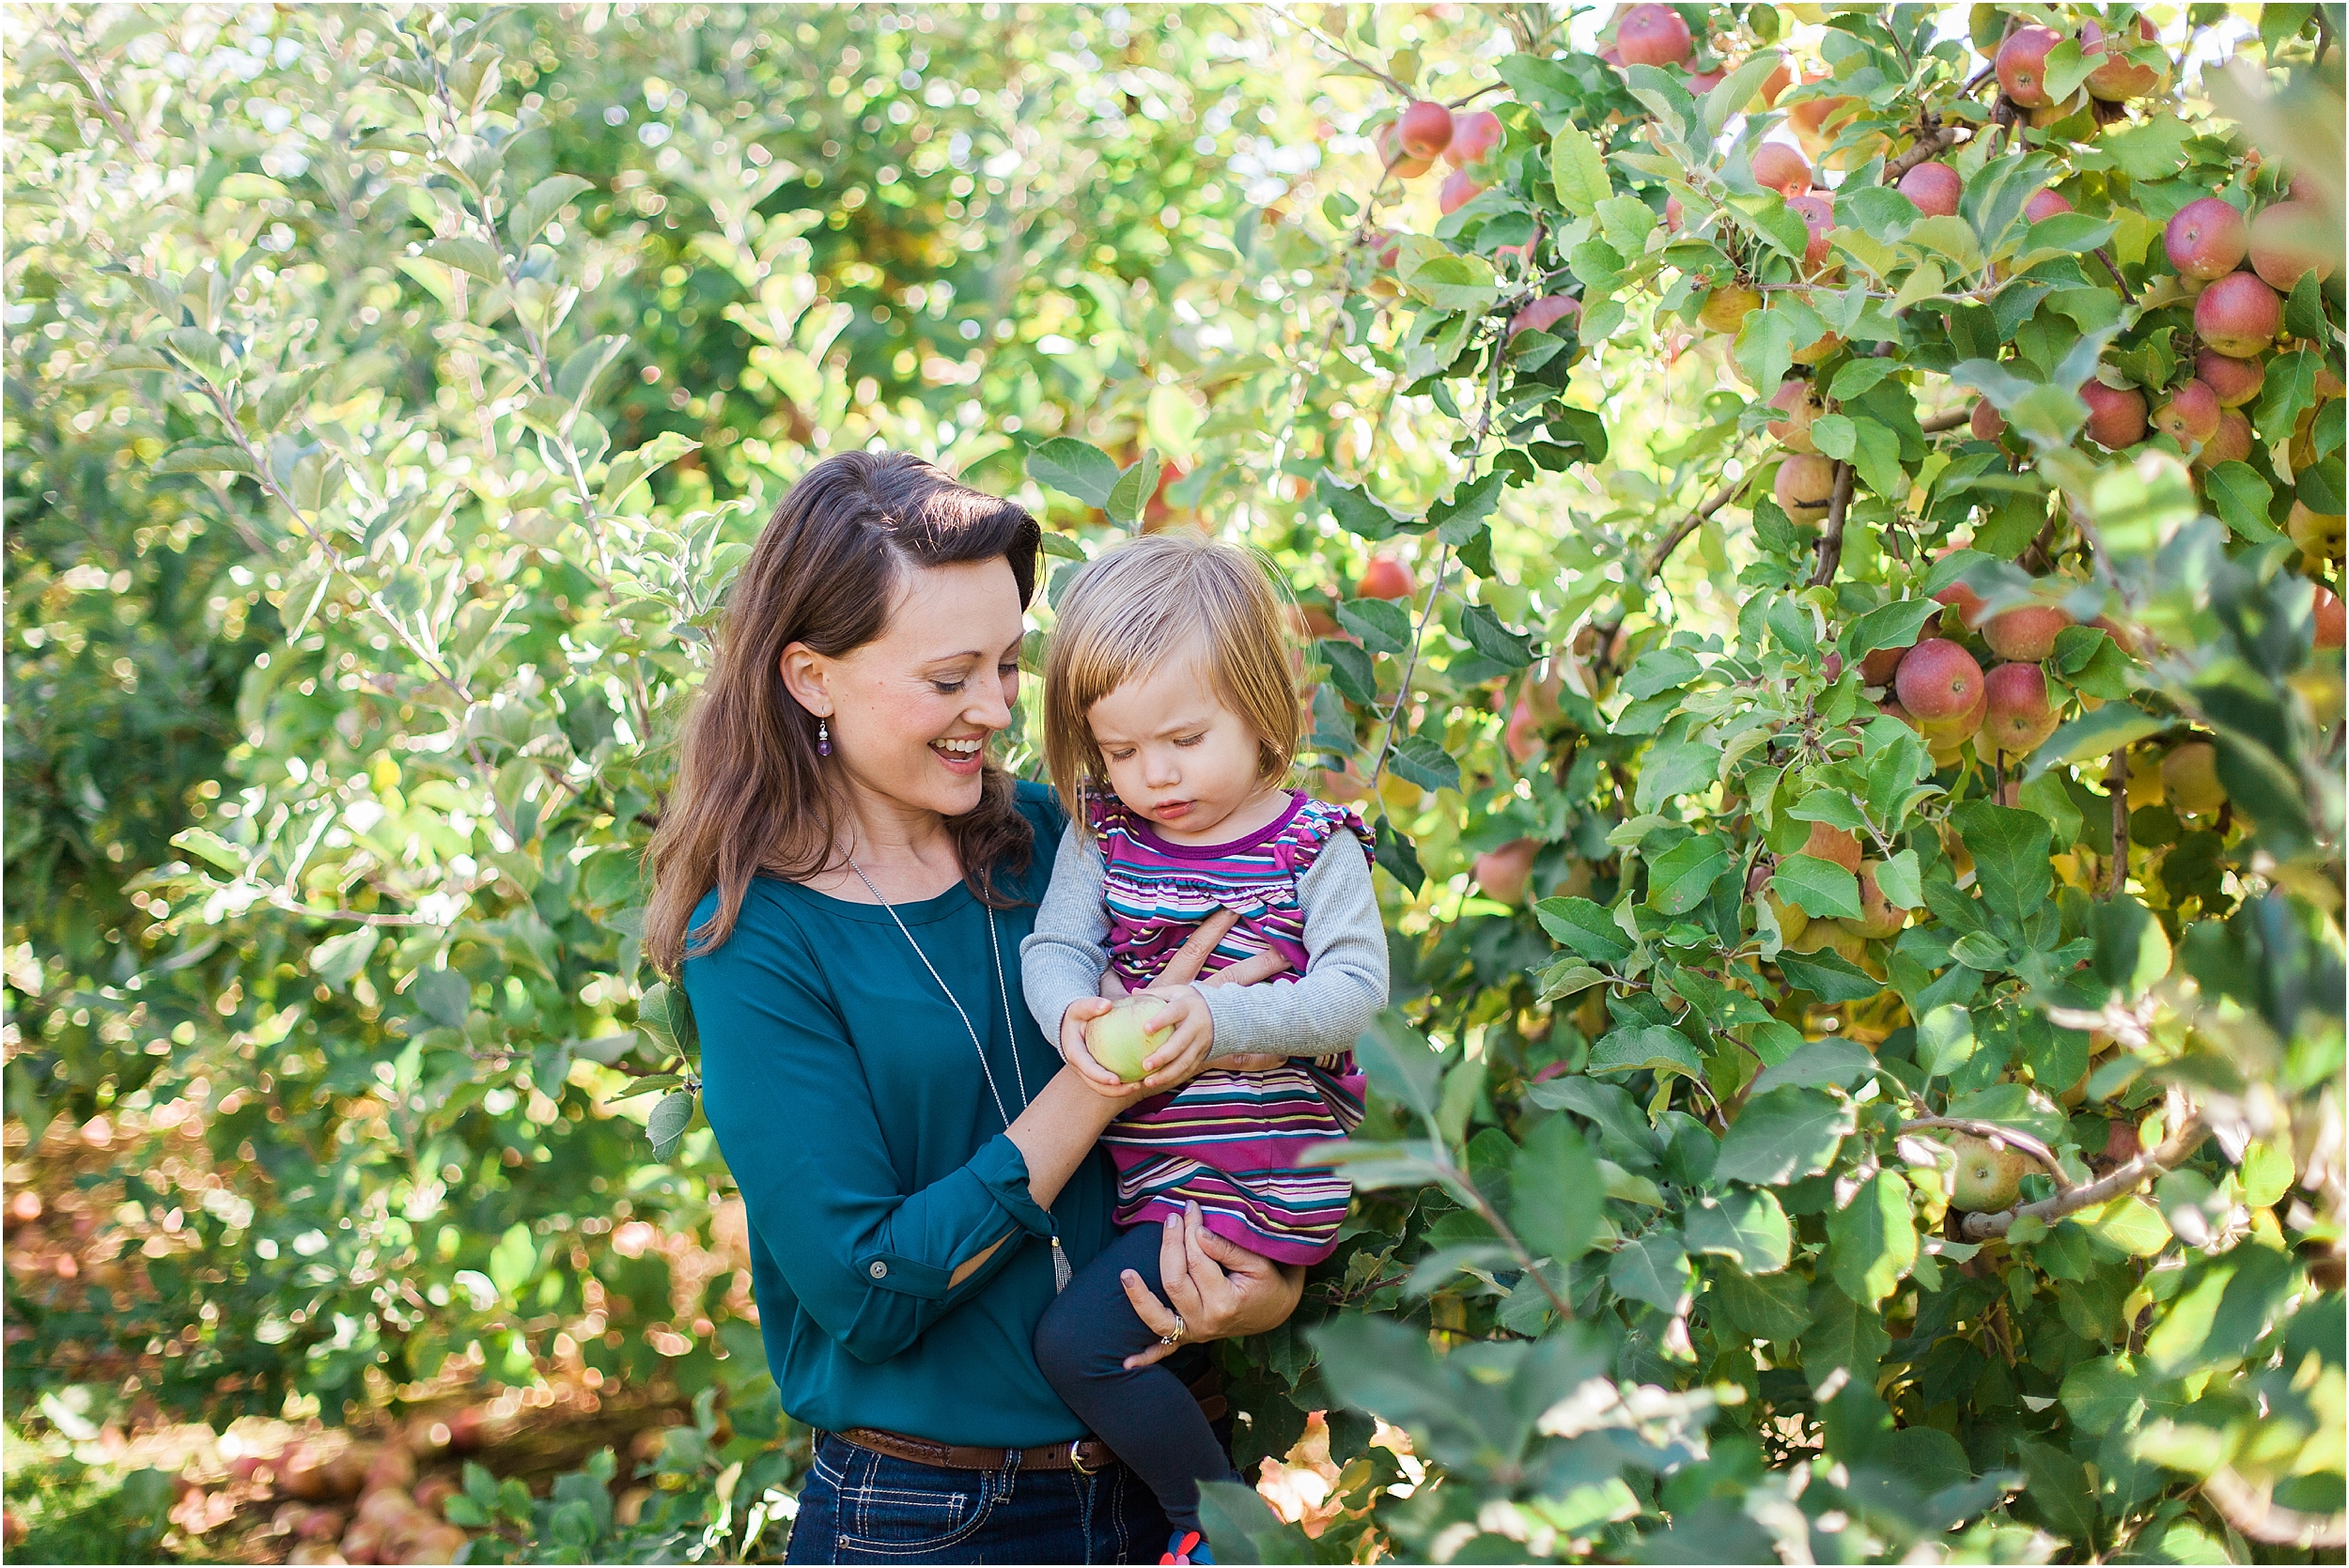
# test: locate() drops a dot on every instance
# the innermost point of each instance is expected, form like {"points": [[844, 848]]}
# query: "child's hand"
{"points": [[1074, 1052], [1179, 1060]]}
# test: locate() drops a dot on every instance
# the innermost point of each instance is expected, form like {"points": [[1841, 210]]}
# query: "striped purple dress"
{"points": [[1230, 1142]]}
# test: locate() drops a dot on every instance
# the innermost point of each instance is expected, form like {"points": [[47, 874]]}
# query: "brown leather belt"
{"points": [[1086, 1455]]}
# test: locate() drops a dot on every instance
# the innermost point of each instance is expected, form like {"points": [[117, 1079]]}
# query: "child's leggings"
{"points": [[1147, 1416]]}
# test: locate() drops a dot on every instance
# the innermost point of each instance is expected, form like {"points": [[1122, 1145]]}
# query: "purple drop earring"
{"points": [[823, 738]]}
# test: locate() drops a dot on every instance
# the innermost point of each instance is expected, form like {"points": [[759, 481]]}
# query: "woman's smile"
{"points": [[963, 754]]}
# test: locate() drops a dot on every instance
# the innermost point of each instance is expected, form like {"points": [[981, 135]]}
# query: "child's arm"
{"points": [[1327, 1008]]}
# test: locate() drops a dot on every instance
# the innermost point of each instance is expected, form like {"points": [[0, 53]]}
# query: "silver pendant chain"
{"points": [[1062, 1272], [1002, 991]]}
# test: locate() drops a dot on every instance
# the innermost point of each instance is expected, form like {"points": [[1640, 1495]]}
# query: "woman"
{"points": [[843, 881]]}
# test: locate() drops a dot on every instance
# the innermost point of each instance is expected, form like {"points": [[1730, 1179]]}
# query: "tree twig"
{"points": [[2253, 1511], [1831, 541], [2117, 785], [1343, 52], [1941, 422], [2170, 1154], [1435, 588], [1992, 1132], [1685, 526]]}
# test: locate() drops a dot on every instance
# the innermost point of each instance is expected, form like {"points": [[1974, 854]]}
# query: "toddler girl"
{"points": [[1170, 725]]}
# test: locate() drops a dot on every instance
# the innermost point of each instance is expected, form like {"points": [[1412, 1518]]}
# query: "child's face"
{"points": [[1176, 752]]}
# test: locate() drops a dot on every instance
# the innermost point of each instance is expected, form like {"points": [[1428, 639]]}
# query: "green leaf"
{"points": [[210, 847], [1459, 515], [2057, 1490], [1660, 669], [1872, 1242], [1397, 1059], [1818, 1063], [1578, 172], [2104, 1393], [476, 257], [1356, 512], [1133, 490], [1743, 1223], [1776, 1308], [1818, 886], [2240, 497], [1425, 763], [1873, 452], [1901, 882], [1653, 1270], [1585, 928], [2154, 150], [1843, 1336], [1444, 278], [631, 469], [1945, 1041], [1730, 95], [1679, 879], [1887, 626], [1828, 976], [2130, 1224], [1555, 1191], [1383, 625], [1483, 632], [513, 1260], [1244, 1530], [337, 960], [540, 205], [445, 996], [1650, 1048], [2110, 728], [2009, 850], [205, 457], [1783, 1134], [1074, 468], [666, 1126]]}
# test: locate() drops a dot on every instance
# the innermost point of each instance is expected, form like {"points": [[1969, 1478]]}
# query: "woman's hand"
{"points": [[1222, 1290], [1188, 958]]}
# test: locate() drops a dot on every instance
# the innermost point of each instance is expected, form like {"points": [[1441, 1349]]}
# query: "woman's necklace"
{"points": [[1061, 1270]]}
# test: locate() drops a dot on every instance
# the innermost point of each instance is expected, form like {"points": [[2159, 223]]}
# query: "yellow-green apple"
{"points": [[2189, 779], [1122, 1038]]}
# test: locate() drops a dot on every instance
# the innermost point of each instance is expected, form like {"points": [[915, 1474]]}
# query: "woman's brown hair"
{"points": [[752, 795]]}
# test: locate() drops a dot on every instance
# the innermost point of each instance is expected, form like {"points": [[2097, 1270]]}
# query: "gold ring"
{"points": [[1175, 1337]]}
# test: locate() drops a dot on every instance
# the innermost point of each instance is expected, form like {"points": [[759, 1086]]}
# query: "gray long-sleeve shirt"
{"points": [[1319, 1014]]}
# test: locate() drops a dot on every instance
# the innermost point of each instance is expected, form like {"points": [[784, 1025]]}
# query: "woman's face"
{"points": [[912, 711]]}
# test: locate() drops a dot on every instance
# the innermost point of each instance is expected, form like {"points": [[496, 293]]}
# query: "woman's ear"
{"points": [[807, 675]]}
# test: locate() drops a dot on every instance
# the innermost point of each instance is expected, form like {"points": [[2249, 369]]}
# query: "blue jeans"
{"points": [[859, 1506]]}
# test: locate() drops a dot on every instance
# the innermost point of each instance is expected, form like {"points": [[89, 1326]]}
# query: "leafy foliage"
{"points": [[436, 391]]}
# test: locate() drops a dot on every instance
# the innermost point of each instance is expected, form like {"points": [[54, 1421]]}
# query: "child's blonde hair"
{"points": [[1143, 603]]}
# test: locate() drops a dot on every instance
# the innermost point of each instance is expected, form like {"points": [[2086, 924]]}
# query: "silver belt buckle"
{"points": [[1076, 1458]]}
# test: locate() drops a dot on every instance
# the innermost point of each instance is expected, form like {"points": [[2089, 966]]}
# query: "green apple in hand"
{"points": [[1120, 1039], [1987, 1178]]}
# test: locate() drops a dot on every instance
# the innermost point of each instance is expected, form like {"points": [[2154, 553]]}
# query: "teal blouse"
{"points": [[851, 1106]]}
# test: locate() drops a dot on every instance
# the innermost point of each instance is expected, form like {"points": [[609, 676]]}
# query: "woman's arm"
{"points": [[873, 1264]]}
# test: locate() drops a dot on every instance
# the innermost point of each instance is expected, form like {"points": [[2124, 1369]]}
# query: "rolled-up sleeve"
{"points": [[783, 1086]]}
